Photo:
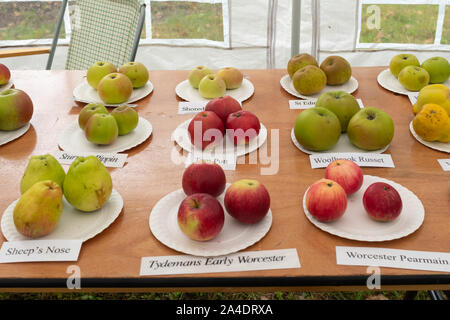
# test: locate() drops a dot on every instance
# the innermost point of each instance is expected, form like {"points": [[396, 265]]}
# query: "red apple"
{"points": [[382, 202], [326, 200], [204, 177], [247, 200], [347, 173], [205, 128], [16, 109], [5, 74], [242, 127], [200, 217], [223, 106]]}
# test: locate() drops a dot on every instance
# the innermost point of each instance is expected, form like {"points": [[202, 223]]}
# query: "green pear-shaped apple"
{"points": [[39, 168]]}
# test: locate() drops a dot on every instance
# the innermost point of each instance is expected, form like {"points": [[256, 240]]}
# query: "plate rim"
{"points": [[19, 133], [429, 144]]}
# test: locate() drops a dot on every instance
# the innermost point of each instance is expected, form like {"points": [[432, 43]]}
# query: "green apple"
{"points": [[233, 77], [414, 78], [299, 61], [88, 184], [402, 60], [101, 129], [337, 69], [371, 129], [127, 119], [438, 69], [16, 109], [212, 86], [197, 74], [98, 71], [317, 129], [341, 103], [88, 110], [309, 80], [137, 72], [39, 168], [115, 88]]}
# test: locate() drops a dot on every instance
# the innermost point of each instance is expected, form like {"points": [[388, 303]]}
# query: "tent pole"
{"points": [[315, 29], [56, 35], [295, 27]]}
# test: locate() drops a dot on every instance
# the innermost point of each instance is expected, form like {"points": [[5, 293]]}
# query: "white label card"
{"points": [[310, 103], [413, 97], [362, 159], [112, 160], [191, 107], [242, 261], [393, 258], [445, 164], [226, 161], [40, 250]]}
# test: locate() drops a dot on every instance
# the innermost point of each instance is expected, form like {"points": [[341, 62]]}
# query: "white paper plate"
{"points": [[343, 145], [186, 92], [73, 224], [356, 224], [350, 86], [181, 136], [440, 146], [86, 94], [7, 86], [8, 136], [233, 237], [388, 81], [72, 139]]}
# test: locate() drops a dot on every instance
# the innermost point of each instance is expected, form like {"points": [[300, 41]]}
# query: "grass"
{"points": [[446, 28]]}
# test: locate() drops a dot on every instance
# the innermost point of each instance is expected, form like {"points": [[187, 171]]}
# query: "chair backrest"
{"points": [[103, 30]]}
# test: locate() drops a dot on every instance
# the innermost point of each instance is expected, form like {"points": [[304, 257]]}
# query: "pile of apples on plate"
{"points": [[326, 199], [115, 86], [223, 115], [201, 216], [102, 127], [212, 85]]}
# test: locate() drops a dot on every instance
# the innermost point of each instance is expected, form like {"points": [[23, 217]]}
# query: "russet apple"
{"points": [[127, 119], [247, 200], [242, 127], [206, 128], [337, 69], [88, 110], [382, 202], [16, 109], [212, 86], [309, 80], [204, 177], [233, 77], [98, 71], [223, 106], [438, 68], [137, 72], [299, 61], [326, 200], [200, 217], [402, 60], [101, 129], [414, 78], [197, 74], [115, 88], [347, 173], [5, 74]]}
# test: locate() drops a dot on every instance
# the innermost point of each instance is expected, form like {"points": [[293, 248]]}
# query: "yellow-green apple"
{"points": [[212, 86], [39, 168], [98, 71], [38, 210], [88, 184], [347, 173], [341, 103], [88, 110], [414, 78], [309, 80], [200, 217], [402, 60], [5, 74], [247, 200], [115, 88], [382, 202], [223, 106], [326, 200], [370, 129], [233, 77], [101, 129], [299, 61], [337, 70], [438, 68], [317, 129], [206, 128], [137, 72], [127, 119], [242, 127], [433, 93], [16, 109], [204, 177], [197, 74]]}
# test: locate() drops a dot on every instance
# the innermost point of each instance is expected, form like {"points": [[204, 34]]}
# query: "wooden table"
{"points": [[111, 261]]}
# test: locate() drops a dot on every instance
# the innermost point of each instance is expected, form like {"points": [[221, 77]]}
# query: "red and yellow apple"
{"points": [[89, 110], [98, 71], [242, 127], [101, 129], [16, 109], [347, 173], [382, 202], [204, 177], [115, 88], [5, 74], [326, 200], [223, 106], [206, 128]]}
